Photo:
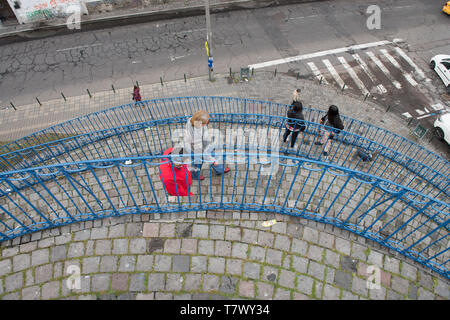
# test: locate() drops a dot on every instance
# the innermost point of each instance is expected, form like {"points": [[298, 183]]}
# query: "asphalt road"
{"points": [[169, 49]]}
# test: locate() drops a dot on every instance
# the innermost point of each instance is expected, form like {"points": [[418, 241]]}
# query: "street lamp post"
{"points": [[209, 49]]}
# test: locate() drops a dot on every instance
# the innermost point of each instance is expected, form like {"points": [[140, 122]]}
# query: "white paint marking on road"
{"points": [[407, 115], [316, 72], [391, 59], [383, 68], [437, 106], [411, 63], [321, 53], [365, 68], [175, 58], [353, 74], [425, 116], [426, 110], [312, 16], [333, 72], [420, 112], [80, 47]]}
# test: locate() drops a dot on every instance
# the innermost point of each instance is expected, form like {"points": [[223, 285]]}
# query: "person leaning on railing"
{"points": [[197, 141], [333, 120], [294, 123]]}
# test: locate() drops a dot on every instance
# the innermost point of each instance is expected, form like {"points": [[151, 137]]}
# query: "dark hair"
{"points": [[297, 106], [334, 118]]}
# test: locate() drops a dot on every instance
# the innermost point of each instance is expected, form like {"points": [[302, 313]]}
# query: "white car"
{"points": [[442, 127], [441, 64]]}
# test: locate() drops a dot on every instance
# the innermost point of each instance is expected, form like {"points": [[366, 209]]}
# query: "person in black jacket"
{"points": [[295, 123], [333, 120]]}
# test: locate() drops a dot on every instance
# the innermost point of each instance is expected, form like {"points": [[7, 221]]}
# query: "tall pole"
{"points": [[209, 41]]}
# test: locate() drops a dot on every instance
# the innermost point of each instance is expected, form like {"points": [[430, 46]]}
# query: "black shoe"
{"points": [[318, 143], [325, 153]]}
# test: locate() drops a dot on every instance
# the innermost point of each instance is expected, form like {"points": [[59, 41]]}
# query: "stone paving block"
{"points": [[228, 285], [375, 258], [28, 247], [108, 263], [234, 266], [5, 267], [391, 264], [282, 294], [13, 282], [385, 278], [282, 242], [223, 248], [426, 280], [12, 296], [287, 279], [21, 262], [151, 230], [89, 248], [174, 282], [299, 246], [180, 263], [144, 263], [326, 240], [318, 289], [172, 246], [442, 289], [316, 270], [311, 235], [343, 246], [116, 231], [120, 246], [210, 283], [200, 231], [400, 285], [216, 265], [43, 273], [45, 243], [348, 264], [100, 282], [331, 293], [138, 246], [206, 247], [198, 264], [252, 270], [315, 253], [358, 252], [192, 282], [91, 265], [299, 296], [265, 239], [31, 293], [246, 289], [9, 252], [346, 295], [359, 286], [232, 234], [162, 263], [82, 235], [265, 291], [87, 297], [167, 230], [257, 253], [250, 236], [287, 262], [102, 247], [63, 239], [145, 296], [119, 282], [332, 258], [300, 264], [274, 257], [50, 290], [413, 290], [184, 230], [305, 284], [425, 294], [409, 271], [279, 227], [99, 233], [2, 289], [76, 249], [217, 232], [127, 263], [39, 257], [391, 295], [239, 250], [189, 246], [134, 229], [156, 282], [29, 277], [343, 280]]}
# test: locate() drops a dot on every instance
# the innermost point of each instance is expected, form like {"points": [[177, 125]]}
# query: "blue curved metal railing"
{"points": [[393, 215], [387, 163]]}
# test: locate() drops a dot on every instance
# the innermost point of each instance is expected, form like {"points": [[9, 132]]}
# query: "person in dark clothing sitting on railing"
{"points": [[295, 123], [333, 120]]}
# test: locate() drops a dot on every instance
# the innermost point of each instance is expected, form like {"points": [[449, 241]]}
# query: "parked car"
{"points": [[442, 127], [441, 64], [446, 8]]}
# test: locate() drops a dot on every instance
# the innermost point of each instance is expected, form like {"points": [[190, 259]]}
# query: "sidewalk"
{"points": [[30, 118], [130, 12]]}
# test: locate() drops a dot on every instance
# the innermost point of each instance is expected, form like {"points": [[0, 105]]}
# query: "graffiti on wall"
{"points": [[40, 10]]}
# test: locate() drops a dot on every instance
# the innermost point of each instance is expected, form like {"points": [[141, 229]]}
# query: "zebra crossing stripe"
{"points": [[407, 115], [365, 68], [353, 74], [391, 59], [411, 63], [420, 112], [333, 72], [316, 72], [437, 106], [383, 68]]}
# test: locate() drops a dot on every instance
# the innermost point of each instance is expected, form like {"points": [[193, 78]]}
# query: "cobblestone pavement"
{"points": [[207, 255], [27, 119]]}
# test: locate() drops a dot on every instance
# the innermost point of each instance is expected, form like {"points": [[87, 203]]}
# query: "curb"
{"points": [[43, 31]]}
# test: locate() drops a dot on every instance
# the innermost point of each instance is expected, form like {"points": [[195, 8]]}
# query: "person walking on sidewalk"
{"points": [[175, 176], [136, 94], [295, 123], [332, 120], [296, 96], [197, 141]]}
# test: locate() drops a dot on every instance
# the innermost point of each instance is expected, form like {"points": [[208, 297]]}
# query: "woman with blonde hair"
{"points": [[197, 141]]}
